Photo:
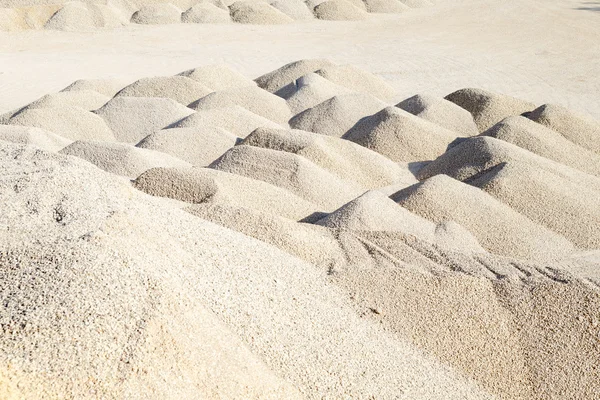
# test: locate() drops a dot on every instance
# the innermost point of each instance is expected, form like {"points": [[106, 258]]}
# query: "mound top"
{"points": [[107, 87], [545, 142], [488, 108], [357, 80], [310, 90], [578, 128], [334, 117], [218, 77], [343, 158], [275, 80], [497, 227], [252, 98], [158, 13], [289, 171], [339, 10], [205, 13], [70, 122], [199, 146], [133, 118], [295, 9], [179, 88], [121, 159], [259, 13], [234, 119], [441, 112], [37, 137], [400, 136]]}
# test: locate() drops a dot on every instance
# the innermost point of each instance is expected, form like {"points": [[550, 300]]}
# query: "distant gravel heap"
{"points": [[178, 238]]}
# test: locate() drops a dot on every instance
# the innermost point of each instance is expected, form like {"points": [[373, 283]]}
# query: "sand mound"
{"points": [[107, 87], [86, 99], [235, 119], [442, 112], [358, 80], [205, 13], [252, 98], [334, 117], [385, 6], [260, 13], [218, 77], [295, 9], [121, 159], [205, 185], [289, 171], [578, 128], [45, 140], [488, 108], [343, 158], [401, 136], [70, 122], [276, 80], [498, 228], [179, 88], [373, 211], [561, 198], [198, 146], [545, 142], [133, 118], [339, 10], [87, 262], [158, 13], [310, 90], [74, 16]]}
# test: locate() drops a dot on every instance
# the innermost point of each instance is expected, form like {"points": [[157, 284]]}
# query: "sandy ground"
{"points": [[542, 51]]}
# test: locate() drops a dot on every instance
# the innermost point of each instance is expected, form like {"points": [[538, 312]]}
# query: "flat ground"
{"points": [[545, 51]]}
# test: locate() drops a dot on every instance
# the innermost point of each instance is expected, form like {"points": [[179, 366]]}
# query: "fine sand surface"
{"points": [[406, 206]]}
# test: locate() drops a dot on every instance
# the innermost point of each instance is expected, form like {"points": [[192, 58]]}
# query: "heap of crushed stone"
{"points": [[373, 211], [87, 99], [179, 88], [442, 112], [541, 189], [252, 98], [205, 185], [337, 115], [157, 13], [70, 122], [545, 142], [218, 77], [133, 118], [199, 146], [107, 87], [234, 119], [121, 159], [488, 108], [339, 10], [295, 9], [276, 80], [205, 13], [386, 6], [310, 90], [37, 137], [257, 12], [289, 171], [357, 80], [343, 158], [401, 136], [578, 128], [498, 228]]}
